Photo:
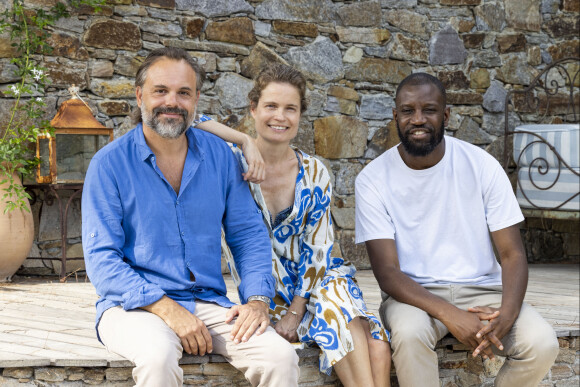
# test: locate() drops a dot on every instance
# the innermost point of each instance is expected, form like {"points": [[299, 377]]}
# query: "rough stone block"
{"points": [[343, 217], [453, 80], [296, 10], [473, 40], [511, 43], [490, 16], [236, 30], [343, 93], [378, 70], [50, 374], [361, 14], [338, 137], [168, 4], [572, 382], [295, 28], [561, 371], [320, 60], [523, 14], [409, 49], [67, 46], [113, 34], [566, 355], [571, 6], [74, 72], [460, 2], [492, 367], [479, 79], [193, 26], [464, 98], [357, 254], [233, 90], [114, 108], [94, 375], [115, 88], [445, 47], [18, 373], [407, 20], [362, 35]]}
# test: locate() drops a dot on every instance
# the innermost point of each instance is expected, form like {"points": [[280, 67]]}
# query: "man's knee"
{"points": [[159, 364], [541, 345], [284, 360], [413, 332]]}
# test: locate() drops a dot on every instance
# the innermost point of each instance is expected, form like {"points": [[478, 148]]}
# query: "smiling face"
{"points": [[168, 98], [277, 113], [421, 116]]}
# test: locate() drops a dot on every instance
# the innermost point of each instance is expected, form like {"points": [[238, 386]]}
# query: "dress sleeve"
{"points": [[318, 236]]}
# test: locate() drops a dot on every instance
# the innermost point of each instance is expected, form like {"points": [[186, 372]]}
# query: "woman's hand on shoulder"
{"points": [[256, 167]]}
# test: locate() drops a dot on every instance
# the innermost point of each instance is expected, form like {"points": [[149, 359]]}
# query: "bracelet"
{"points": [[264, 299]]}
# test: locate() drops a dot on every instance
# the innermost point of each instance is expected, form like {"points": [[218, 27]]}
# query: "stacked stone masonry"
{"points": [[456, 367], [354, 54]]}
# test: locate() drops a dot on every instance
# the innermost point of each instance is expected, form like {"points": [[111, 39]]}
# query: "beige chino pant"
{"points": [[146, 340], [531, 345]]}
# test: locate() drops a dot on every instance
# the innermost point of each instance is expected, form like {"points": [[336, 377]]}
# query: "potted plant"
{"points": [[25, 120]]}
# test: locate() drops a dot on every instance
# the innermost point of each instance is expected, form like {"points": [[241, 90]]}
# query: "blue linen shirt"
{"points": [[142, 240]]}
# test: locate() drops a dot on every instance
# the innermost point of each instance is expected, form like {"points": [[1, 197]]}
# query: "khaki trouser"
{"points": [[145, 339], [530, 347]]}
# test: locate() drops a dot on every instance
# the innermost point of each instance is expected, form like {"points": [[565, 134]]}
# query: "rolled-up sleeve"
{"points": [[103, 240]]}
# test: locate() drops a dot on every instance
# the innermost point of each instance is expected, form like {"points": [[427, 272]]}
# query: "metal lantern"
{"points": [[65, 156]]}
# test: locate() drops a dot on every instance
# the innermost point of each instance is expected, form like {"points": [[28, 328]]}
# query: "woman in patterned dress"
{"points": [[318, 301]]}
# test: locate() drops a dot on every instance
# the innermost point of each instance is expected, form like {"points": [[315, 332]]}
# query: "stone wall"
{"points": [[457, 368], [354, 54]]}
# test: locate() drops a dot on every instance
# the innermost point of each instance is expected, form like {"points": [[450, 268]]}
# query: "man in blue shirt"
{"points": [[154, 204]]}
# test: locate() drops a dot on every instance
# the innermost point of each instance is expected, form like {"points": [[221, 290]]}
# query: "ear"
{"points": [[446, 114], [138, 95], [395, 114], [253, 109]]}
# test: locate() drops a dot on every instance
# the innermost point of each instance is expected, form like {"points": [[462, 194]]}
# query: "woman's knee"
{"points": [[379, 351]]}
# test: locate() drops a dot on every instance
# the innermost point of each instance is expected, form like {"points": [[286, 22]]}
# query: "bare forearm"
{"points": [[515, 283], [225, 132], [164, 307], [298, 306], [403, 289], [514, 269]]}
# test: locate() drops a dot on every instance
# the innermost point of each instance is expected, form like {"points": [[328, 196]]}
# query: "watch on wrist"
{"points": [[264, 299]]}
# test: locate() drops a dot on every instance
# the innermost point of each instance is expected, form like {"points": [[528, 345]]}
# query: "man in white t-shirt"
{"points": [[428, 211]]}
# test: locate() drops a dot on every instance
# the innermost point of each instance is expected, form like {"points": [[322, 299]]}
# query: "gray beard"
{"points": [[171, 128]]}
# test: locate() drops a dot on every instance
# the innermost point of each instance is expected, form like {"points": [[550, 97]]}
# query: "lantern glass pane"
{"points": [[44, 154], [74, 153]]}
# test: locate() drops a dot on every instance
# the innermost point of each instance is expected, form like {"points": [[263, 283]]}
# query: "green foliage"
{"points": [[29, 35]]}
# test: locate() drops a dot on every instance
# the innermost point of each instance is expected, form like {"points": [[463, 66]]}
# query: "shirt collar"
{"points": [[145, 152]]}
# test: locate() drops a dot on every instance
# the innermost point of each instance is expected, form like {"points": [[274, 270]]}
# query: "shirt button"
{"points": [[182, 233], [177, 203], [92, 235]]}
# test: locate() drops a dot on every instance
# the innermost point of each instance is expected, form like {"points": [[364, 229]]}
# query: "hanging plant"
{"points": [[29, 36]]}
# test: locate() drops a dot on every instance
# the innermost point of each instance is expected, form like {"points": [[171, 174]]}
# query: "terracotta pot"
{"points": [[16, 236]]}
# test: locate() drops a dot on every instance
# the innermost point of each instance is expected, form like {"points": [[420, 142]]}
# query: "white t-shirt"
{"points": [[439, 217]]}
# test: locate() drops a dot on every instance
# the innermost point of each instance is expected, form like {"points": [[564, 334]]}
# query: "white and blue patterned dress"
{"points": [[303, 266]]}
